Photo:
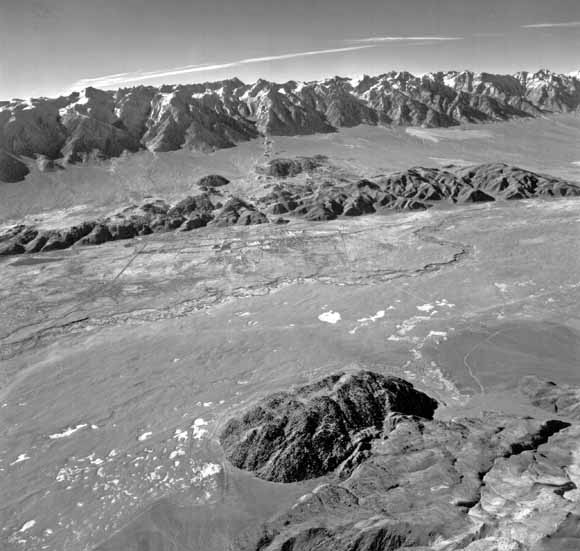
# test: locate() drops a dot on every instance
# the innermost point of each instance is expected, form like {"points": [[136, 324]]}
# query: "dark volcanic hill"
{"points": [[210, 116]]}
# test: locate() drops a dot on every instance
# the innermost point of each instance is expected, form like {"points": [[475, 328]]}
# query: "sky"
{"points": [[52, 47]]}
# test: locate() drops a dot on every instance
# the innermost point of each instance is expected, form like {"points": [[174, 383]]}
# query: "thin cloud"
{"points": [[425, 39], [116, 75], [125, 78], [551, 25]]}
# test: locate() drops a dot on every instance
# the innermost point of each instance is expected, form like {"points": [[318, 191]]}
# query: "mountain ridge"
{"points": [[416, 188], [209, 116]]}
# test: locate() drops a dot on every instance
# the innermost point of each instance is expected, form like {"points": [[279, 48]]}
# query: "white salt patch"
{"points": [[330, 317], [440, 487], [198, 431], [244, 314], [503, 287], [180, 435], [410, 324], [113, 453], [577, 163], [176, 453], [209, 469], [207, 404], [442, 334], [94, 427], [145, 436], [27, 526], [67, 432], [22, 457], [425, 307], [380, 314]]}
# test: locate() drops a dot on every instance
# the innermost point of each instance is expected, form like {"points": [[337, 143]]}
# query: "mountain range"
{"points": [[216, 115]]}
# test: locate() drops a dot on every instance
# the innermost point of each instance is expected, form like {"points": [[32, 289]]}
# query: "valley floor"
{"points": [[120, 363]]}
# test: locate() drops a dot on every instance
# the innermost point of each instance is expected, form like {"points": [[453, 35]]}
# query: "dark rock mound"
{"points": [[285, 168], [63, 239], [292, 436], [99, 234], [417, 188], [237, 212], [212, 180], [358, 205], [192, 204], [12, 169], [474, 196], [511, 182]]}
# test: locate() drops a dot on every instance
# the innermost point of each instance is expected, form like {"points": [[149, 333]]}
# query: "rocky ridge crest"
{"points": [[317, 199], [216, 115]]}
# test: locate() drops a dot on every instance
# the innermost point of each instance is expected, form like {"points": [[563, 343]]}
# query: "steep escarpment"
{"points": [[399, 479], [319, 198], [210, 116]]}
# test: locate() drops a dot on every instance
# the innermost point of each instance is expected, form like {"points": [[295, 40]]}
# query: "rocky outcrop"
{"points": [[237, 212], [149, 217], [283, 168], [510, 182], [209, 116], [531, 499], [417, 188], [562, 400], [402, 480], [182, 116], [12, 169], [212, 181], [317, 199], [309, 432]]}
